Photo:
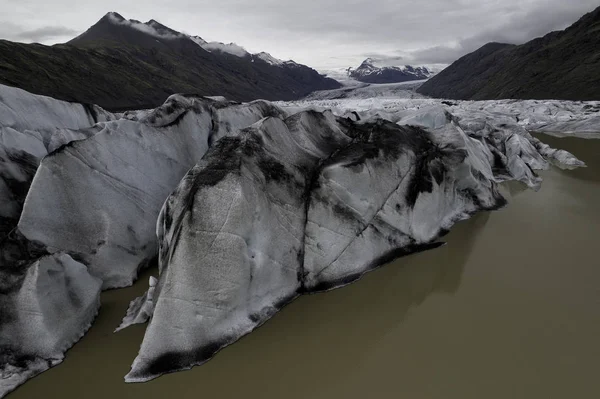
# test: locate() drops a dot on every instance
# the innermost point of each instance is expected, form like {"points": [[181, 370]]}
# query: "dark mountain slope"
{"points": [[121, 67], [561, 65]]}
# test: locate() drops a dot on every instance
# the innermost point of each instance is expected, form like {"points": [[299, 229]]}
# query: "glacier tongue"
{"points": [[275, 201], [98, 199], [231, 240], [96, 196], [312, 202]]}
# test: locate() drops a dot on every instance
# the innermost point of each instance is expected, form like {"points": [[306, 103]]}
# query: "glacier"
{"points": [[46, 307], [123, 174], [30, 128], [245, 206]]}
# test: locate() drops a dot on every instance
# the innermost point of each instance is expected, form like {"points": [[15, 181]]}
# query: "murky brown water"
{"points": [[510, 308]]}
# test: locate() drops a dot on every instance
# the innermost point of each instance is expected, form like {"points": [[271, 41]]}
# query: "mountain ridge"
{"points": [[368, 72], [561, 65], [124, 64]]}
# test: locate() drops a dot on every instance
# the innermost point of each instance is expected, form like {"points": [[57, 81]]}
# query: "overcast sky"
{"points": [[321, 33]]}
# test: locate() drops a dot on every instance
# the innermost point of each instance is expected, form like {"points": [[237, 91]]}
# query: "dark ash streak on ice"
{"points": [[282, 203], [232, 294]]}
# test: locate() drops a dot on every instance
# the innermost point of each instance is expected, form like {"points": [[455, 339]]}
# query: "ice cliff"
{"points": [[245, 206]]}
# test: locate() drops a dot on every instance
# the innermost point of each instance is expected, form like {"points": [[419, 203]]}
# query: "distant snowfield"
{"points": [[357, 90], [339, 74], [398, 101], [160, 31], [150, 28]]}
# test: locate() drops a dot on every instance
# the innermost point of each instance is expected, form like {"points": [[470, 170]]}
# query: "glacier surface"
{"points": [[30, 128], [245, 206], [311, 202], [98, 199]]}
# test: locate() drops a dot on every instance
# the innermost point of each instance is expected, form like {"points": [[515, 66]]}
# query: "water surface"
{"points": [[510, 308]]}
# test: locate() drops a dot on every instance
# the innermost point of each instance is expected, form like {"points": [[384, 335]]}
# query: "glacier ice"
{"points": [[141, 308], [309, 203], [47, 301], [246, 206], [98, 199], [95, 198], [31, 127], [47, 308]]}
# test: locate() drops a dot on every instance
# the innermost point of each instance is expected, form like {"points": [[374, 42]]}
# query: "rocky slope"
{"points": [[560, 65], [123, 64]]}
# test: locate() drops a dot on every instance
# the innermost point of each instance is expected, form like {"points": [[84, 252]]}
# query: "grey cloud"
{"points": [[384, 59], [320, 33], [45, 33], [440, 54], [17, 32], [432, 32], [519, 29]]}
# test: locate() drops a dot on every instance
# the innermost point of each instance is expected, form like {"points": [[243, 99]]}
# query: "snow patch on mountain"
{"points": [[269, 59], [150, 28], [369, 72], [230, 48], [198, 40], [239, 51]]}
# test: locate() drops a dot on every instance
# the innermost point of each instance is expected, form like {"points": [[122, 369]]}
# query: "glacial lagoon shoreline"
{"points": [[402, 327]]}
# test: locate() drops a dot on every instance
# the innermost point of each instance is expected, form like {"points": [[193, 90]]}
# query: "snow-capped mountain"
{"points": [[369, 72], [125, 64], [238, 51], [160, 31]]}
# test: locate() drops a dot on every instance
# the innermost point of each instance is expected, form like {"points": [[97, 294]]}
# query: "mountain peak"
{"points": [[113, 16], [368, 61], [368, 72], [560, 65], [589, 22], [162, 29], [230, 48], [113, 27]]}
